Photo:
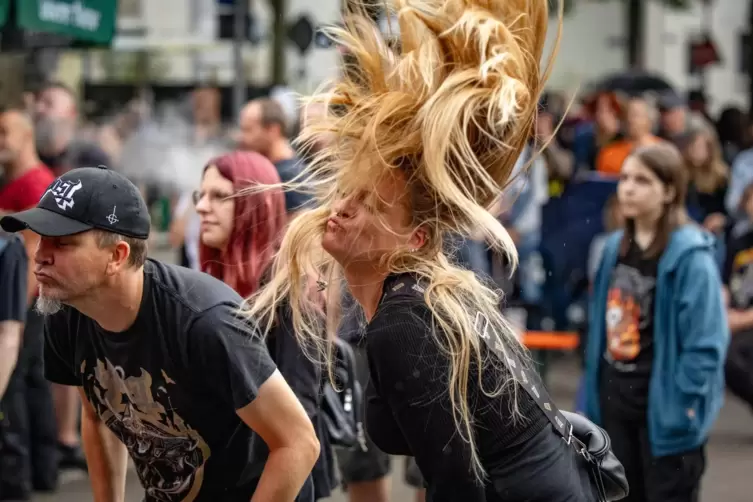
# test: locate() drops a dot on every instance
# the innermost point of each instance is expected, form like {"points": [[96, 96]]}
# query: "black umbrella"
{"points": [[634, 83]]}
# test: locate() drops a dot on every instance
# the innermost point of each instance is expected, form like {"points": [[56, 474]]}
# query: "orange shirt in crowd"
{"points": [[611, 157]]}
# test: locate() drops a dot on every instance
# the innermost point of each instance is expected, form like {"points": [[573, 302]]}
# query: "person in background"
{"points": [[740, 177], [29, 401], [639, 125], [528, 191], [184, 231], [240, 234], [673, 116], [15, 470], [613, 221], [604, 110], [708, 176], [56, 123], [738, 293], [206, 117], [732, 129], [159, 355], [263, 129], [558, 161], [658, 333]]}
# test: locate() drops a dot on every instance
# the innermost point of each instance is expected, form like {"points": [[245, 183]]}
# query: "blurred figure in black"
{"points": [[15, 458]]}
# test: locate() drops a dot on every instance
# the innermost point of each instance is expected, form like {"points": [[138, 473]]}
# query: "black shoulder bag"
{"points": [[342, 406], [591, 442]]}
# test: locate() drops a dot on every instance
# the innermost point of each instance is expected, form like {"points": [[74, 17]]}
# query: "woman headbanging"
{"points": [[424, 140]]}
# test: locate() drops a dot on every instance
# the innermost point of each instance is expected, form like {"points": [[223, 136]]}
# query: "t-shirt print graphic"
{"points": [[168, 454], [628, 310], [623, 335]]}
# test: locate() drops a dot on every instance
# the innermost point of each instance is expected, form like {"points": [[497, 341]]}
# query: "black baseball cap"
{"points": [[84, 199]]}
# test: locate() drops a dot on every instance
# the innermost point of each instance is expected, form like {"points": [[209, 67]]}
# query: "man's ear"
{"points": [[119, 257]]}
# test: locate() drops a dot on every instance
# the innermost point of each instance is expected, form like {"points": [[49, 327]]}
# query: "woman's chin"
{"points": [[333, 245]]}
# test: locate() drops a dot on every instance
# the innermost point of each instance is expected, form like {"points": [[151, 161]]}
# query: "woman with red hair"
{"points": [[239, 235]]}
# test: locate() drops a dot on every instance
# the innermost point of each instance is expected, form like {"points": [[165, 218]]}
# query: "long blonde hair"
{"points": [[450, 107], [714, 173]]}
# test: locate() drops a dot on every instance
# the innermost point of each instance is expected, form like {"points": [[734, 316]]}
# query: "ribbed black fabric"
{"points": [[409, 410]]}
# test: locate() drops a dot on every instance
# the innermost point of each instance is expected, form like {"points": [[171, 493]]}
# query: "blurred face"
{"points": [[641, 194], [15, 134], [673, 120], [698, 151], [206, 105], [54, 120], [216, 207], [638, 118], [253, 135], [606, 119], [69, 269], [364, 227]]}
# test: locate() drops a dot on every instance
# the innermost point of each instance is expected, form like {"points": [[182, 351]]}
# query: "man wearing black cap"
{"points": [[160, 355]]}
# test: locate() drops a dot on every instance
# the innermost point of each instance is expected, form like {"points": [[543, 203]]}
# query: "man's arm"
{"points": [[106, 456], [228, 352], [279, 419]]}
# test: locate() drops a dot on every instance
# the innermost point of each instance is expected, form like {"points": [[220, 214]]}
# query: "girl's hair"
{"points": [[713, 174], [259, 222], [450, 107], [611, 216], [664, 160], [591, 104]]}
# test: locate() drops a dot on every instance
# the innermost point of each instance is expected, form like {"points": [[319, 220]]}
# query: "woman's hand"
{"points": [[715, 222]]}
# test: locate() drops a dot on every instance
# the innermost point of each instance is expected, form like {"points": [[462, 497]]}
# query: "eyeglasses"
{"points": [[214, 197]]}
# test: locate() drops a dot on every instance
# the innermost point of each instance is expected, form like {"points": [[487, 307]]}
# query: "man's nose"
{"points": [[43, 254]]}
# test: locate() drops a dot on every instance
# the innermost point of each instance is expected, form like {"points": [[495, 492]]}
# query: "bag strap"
{"points": [[530, 381]]}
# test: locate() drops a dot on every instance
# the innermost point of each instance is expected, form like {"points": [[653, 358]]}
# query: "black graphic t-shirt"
{"points": [[170, 385], [738, 270], [628, 358]]}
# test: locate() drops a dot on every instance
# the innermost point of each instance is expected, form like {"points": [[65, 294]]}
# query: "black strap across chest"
{"points": [[406, 286]]}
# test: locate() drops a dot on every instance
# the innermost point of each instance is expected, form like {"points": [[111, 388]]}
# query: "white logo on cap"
{"points": [[63, 192], [112, 218]]}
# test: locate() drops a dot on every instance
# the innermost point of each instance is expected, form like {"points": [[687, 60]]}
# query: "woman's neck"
{"points": [[366, 288], [645, 230]]}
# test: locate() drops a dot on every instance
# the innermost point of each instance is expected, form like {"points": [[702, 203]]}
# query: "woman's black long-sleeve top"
{"points": [[409, 410]]}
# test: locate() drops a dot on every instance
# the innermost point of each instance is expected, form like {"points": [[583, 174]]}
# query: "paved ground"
{"points": [[728, 476]]}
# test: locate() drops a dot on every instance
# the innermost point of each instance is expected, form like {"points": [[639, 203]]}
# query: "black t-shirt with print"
{"points": [[738, 270], [628, 358], [170, 385]]}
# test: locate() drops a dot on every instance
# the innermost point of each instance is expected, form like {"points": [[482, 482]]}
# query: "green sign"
{"points": [[86, 20], [4, 8]]}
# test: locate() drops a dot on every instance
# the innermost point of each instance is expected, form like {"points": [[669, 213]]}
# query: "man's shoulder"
{"points": [[189, 289], [289, 168]]}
